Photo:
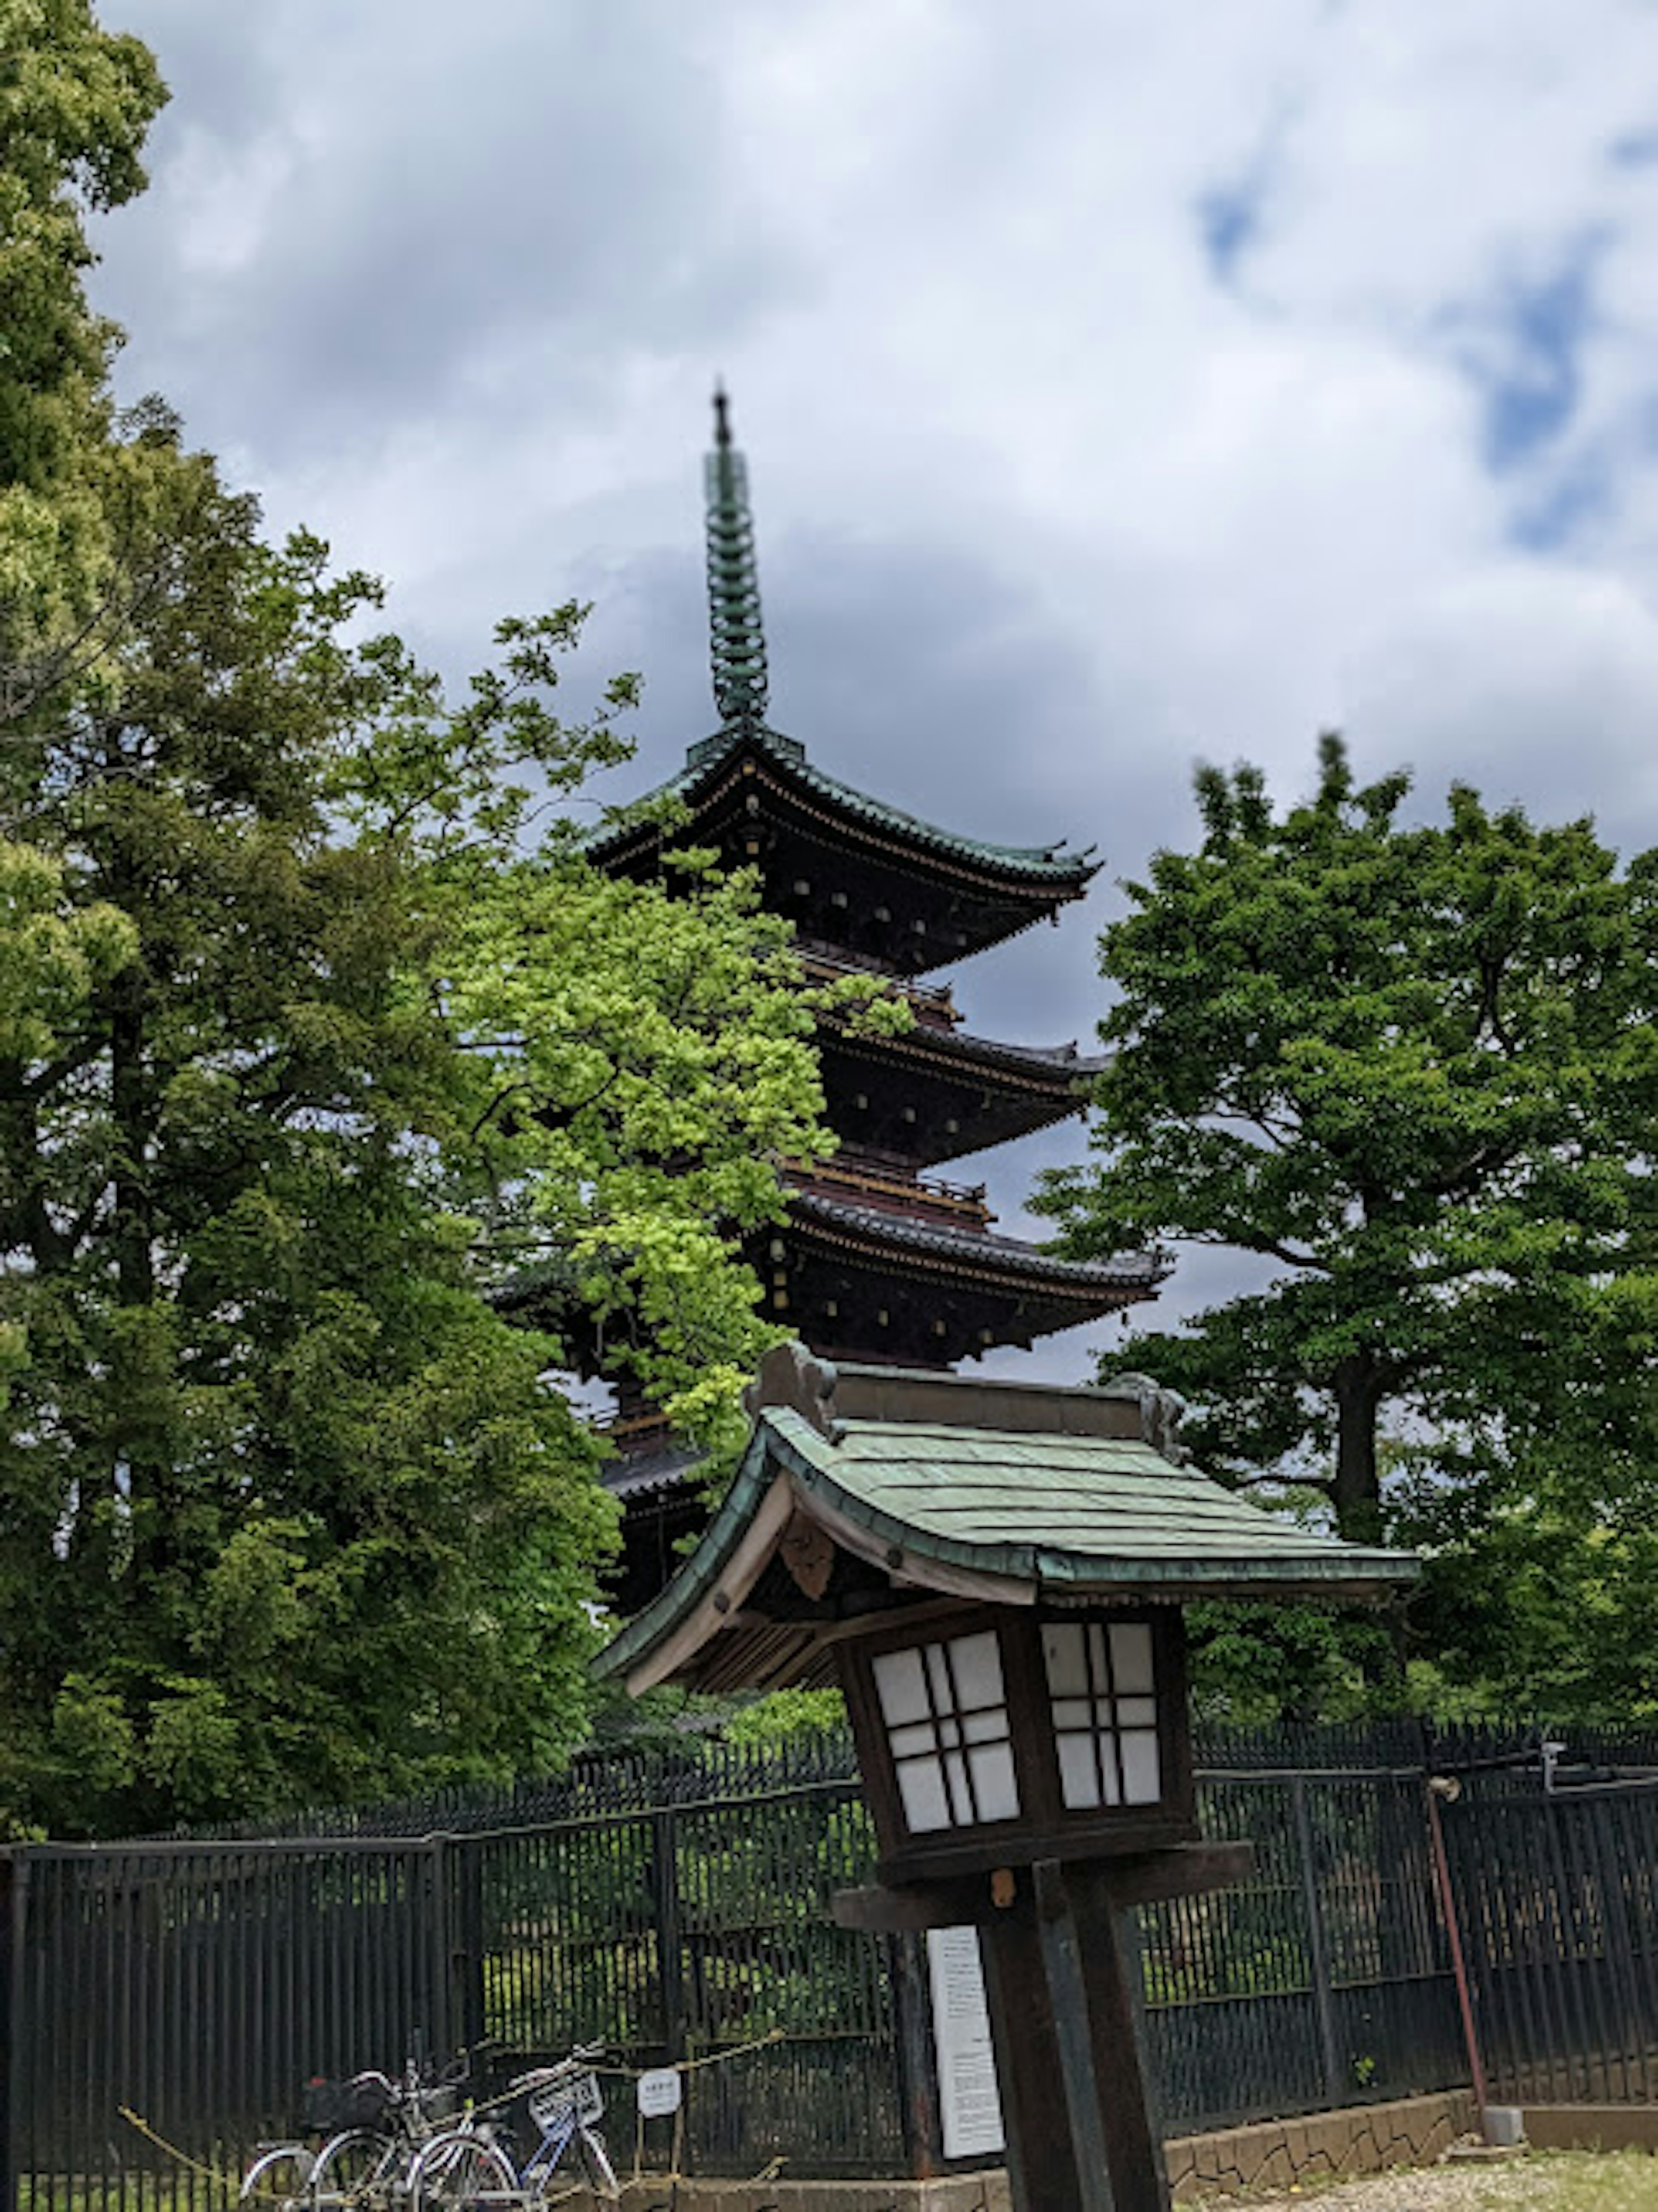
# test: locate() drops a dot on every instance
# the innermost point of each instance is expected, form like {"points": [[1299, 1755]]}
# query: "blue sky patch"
{"points": [[1580, 495], [1636, 150], [1229, 217], [1533, 395]]}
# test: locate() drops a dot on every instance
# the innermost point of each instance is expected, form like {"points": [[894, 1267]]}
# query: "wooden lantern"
{"points": [[994, 1573], [996, 1737]]}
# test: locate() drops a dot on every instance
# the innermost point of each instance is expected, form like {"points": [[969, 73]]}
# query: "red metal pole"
{"points": [[1453, 1929]]}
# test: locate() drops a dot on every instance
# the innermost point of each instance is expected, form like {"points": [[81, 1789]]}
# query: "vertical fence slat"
{"points": [[666, 1880], [14, 1902], [1318, 1951]]}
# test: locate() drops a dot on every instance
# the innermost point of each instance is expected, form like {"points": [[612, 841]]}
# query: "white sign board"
{"points": [[659, 2092], [967, 2100]]}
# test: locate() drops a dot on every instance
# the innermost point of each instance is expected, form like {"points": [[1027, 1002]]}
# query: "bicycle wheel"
{"points": [[350, 2167], [454, 2171], [280, 2175], [599, 2173]]}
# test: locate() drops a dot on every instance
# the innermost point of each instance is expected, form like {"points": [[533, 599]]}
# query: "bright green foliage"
{"points": [[787, 1716], [1411, 1069], [637, 1064]]}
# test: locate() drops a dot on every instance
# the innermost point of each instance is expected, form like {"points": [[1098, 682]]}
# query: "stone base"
{"points": [[1592, 2127], [1363, 2139], [958, 2192]]}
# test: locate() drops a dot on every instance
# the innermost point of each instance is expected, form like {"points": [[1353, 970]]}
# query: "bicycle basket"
{"points": [[550, 2105], [443, 2100], [545, 2108], [326, 2107]]}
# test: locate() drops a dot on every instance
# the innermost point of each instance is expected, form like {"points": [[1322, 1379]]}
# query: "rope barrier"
{"points": [[214, 2173], [638, 2177], [773, 2035]]}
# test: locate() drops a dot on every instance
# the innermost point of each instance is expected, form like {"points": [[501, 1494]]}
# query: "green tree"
{"points": [[320, 1046], [1544, 1612], [1409, 1068], [300, 1055]]}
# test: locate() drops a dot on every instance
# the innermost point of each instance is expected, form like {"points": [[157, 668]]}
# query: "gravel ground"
{"points": [[1570, 2183]]}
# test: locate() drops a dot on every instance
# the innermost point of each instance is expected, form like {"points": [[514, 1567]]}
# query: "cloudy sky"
{"points": [[1121, 386]]}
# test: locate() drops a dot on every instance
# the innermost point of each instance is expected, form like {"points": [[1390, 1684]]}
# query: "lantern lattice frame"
{"points": [[937, 1771]]}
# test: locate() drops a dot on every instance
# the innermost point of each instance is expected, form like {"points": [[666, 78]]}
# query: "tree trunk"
{"points": [[135, 1463], [1357, 1489], [130, 1111]]}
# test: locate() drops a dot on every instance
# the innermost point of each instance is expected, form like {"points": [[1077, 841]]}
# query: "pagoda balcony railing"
{"points": [[632, 1429], [933, 1003], [926, 1196]]}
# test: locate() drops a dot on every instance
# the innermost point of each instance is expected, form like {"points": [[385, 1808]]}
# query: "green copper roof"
{"points": [[1047, 865], [1042, 1511]]}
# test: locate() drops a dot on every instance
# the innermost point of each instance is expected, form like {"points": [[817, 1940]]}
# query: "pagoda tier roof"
{"points": [[1048, 864], [1050, 1066], [902, 1242], [880, 1282], [994, 890], [971, 1091]]}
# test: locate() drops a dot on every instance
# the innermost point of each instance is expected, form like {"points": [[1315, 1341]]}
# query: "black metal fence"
{"points": [[1557, 1898], [165, 2001], [1323, 1980], [196, 1990]]}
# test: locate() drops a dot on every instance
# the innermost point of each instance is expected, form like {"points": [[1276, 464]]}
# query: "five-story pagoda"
{"points": [[879, 1262]]}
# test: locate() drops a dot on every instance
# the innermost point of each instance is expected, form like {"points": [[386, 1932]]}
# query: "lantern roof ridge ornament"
{"points": [[951, 1487], [791, 1376]]}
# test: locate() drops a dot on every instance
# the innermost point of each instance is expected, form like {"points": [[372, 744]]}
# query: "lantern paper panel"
{"points": [[1102, 1682], [945, 1707]]}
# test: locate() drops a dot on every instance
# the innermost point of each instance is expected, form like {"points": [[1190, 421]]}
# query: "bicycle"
{"points": [[551, 2111], [371, 2127]]}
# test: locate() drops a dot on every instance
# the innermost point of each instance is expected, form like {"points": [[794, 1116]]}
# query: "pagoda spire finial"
{"points": [[737, 641]]}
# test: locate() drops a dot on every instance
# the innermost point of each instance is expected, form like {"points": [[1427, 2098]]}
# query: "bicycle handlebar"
{"points": [[544, 2077]]}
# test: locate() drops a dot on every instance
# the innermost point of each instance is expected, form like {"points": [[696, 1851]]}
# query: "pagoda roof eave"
{"points": [[1048, 870], [889, 1235], [1051, 1067]]}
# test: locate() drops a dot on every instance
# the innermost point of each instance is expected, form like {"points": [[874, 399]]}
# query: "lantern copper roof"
{"points": [[937, 1486]]}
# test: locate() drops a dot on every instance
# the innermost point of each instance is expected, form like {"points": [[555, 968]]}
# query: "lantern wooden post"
{"points": [[1058, 1976]]}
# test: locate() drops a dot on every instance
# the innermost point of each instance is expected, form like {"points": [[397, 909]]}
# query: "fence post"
{"points": [[669, 1932], [1336, 2083], [1448, 1913], [460, 1964], [14, 1902]]}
